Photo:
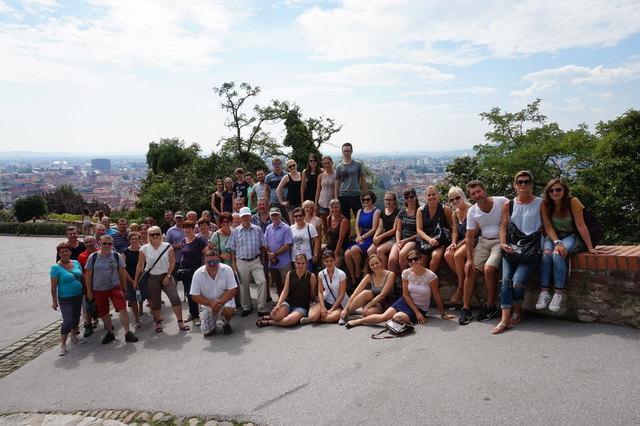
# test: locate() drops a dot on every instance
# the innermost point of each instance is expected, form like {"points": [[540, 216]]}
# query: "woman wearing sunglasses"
{"points": [[419, 284], [405, 231], [295, 298], [293, 182], [456, 253], [524, 212], [567, 234], [310, 178], [433, 225], [367, 216], [219, 238], [158, 256]]}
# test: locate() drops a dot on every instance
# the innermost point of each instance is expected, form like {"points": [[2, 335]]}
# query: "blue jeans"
{"points": [[559, 264], [514, 275]]}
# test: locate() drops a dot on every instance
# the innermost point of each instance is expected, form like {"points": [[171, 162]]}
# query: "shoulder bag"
{"points": [[527, 247], [142, 281]]}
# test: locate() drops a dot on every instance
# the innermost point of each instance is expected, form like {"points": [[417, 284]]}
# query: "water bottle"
{"points": [[138, 295]]}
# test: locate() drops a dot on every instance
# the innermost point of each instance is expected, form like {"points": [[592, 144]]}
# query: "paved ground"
{"points": [[543, 372]]}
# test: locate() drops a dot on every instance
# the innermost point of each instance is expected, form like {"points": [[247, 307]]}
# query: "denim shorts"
{"points": [[323, 210], [305, 312]]}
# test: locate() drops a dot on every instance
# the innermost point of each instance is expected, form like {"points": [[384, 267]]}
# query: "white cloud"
{"points": [[477, 90], [387, 74], [177, 36], [573, 75], [463, 32]]}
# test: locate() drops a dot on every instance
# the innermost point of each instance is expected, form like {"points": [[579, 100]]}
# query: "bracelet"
{"points": [[556, 242]]}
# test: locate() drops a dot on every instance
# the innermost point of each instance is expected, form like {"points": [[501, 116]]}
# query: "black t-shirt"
{"points": [[241, 190], [165, 227]]}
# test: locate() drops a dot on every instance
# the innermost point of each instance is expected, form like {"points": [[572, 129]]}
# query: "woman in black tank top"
{"points": [[377, 297], [385, 235]]}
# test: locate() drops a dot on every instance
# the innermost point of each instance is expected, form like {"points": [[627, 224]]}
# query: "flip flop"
{"points": [[263, 322], [137, 324], [184, 327], [500, 328], [515, 319], [158, 328]]}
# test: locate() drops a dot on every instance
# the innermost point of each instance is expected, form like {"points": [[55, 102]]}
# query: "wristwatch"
{"points": [[556, 242]]}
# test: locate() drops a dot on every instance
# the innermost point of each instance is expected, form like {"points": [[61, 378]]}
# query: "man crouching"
{"points": [[214, 288]]}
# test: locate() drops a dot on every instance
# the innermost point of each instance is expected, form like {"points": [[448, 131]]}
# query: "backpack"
{"points": [[593, 226]]}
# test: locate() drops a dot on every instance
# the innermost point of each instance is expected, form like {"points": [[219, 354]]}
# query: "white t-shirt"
{"points": [[419, 287], [205, 286], [301, 240], [150, 256], [331, 286], [489, 222]]}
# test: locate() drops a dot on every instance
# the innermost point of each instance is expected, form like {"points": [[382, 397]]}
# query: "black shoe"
{"points": [[487, 313], [226, 329], [465, 317], [108, 338], [263, 314], [246, 313], [130, 337]]}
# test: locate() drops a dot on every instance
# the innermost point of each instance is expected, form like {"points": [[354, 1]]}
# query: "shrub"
{"points": [[30, 206], [33, 228]]}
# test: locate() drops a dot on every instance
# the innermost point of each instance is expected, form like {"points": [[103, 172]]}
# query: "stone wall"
{"points": [[604, 288]]}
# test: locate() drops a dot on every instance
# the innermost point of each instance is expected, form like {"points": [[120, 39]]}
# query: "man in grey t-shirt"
{"points": [[106, 280], [350, 182]]}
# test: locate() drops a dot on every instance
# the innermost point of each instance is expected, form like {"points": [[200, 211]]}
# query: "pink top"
{"points": [[419, 288]]}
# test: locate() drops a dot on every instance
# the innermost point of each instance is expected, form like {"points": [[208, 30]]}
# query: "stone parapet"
{"points": [[603, 288]]}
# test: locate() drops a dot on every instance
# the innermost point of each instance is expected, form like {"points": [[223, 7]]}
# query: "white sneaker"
{"points": [[78, 341], [304, 320], [554, 306], [63, 351], [543, 300], [341, 322]]}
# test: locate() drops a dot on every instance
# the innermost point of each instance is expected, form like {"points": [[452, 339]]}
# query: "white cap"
{"points": [[245, 211]]}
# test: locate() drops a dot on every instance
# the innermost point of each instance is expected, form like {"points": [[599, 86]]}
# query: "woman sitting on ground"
{"points": [[385, 236], [456, 253], [433, 225], [419, 284], [366, 224], [295, 298], [567, 234], [66, 293], [377, 297], [332, 292]]}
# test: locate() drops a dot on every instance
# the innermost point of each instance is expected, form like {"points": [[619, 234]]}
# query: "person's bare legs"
{"points": [[436, 259], [491, 282], [404, 253], [383, 253], [394, 258], [469, 287], [373, 319]]}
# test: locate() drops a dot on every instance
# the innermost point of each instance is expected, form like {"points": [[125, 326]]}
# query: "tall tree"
{"points": [[30, 206], [170, 154], [298, 138], [64, 199]]}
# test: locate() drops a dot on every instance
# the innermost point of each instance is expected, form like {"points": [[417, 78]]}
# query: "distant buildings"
{"points": [[102, 164]]}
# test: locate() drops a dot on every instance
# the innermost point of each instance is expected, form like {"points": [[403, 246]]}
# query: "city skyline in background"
{"points": [[98, 76]]}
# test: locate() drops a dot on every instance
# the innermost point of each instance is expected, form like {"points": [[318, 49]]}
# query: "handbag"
{"points": [[442, 235], [527, 247], [395, 327], [142, 281]]}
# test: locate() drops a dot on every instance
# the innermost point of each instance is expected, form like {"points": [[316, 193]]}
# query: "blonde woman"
{"points": [[433, 225], [456, 254]]}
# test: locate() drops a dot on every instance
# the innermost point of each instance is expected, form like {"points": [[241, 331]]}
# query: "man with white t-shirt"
{"points": [[485, 216], [214, 288]]}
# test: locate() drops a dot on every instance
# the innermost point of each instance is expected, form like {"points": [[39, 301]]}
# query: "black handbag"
{"points": [[527, 247], [395, 328], [442, 235]]}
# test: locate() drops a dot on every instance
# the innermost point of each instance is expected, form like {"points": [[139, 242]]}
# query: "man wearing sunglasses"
{"points": [[214, 288], [106, 280], [350, 182], [271, 185], [485, 216]]}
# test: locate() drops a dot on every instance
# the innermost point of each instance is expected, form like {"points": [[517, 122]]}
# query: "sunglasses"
{"points": [[409, 197], [213, 262], [413, 259], [523, 182], [298, 215], [276, 164], [225, 222], [154, 235], [366, 200], [313, 161], [451, 200], [106, 244], [552, 190], [291, 166]]}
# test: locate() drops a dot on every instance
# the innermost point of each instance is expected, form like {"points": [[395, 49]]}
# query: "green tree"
{"points": [[322, 129], [30, 206], [64, 199], [609, 182], [157, 198], [169, 154], [299, 139], [248, 136]]}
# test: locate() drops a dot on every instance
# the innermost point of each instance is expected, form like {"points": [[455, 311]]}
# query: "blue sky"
{"points": [[112, 76]]}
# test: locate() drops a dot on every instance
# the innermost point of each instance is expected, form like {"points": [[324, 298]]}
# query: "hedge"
{"points": [[33, 228]]}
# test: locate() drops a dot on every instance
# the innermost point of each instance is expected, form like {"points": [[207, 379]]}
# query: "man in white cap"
{"points": [[248, 249]]}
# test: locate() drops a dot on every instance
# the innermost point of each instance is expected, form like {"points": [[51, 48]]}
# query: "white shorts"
{"points": [[208, 320]]}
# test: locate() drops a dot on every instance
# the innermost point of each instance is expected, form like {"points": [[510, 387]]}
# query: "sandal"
{"points": [[500, 328], [457, 296], [137, 324], [184, 327], [158, 328], [515, 319], [263, 322]]}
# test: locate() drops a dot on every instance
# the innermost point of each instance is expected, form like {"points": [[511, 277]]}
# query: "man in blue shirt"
{"points": [[279, 241], [248, 246], [175, 235]]}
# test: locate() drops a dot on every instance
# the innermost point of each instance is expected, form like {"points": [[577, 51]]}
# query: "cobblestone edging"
{"points": [[28, 348], [110, 418]]}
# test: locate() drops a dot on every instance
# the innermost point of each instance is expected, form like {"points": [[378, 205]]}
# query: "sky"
{"points": [[110, 76]]}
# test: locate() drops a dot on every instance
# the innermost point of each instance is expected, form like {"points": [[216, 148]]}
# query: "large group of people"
{"points": [[293, 231]]}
